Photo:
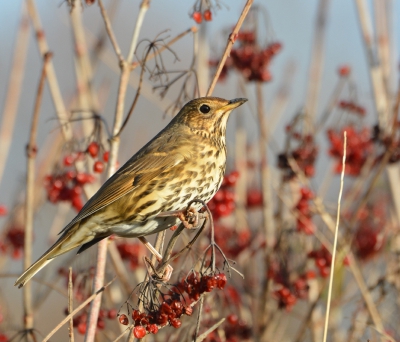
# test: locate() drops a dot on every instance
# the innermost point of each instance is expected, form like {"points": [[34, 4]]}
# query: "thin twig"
{"points": [[375, 67], [71, 305], [80, 307], [14, 88], [110, 32], [328, 305], [204, 335], [228, 48], [31, 152], [139, 88], [198, 319], [144, 6], [316, 63], [51, 74]]}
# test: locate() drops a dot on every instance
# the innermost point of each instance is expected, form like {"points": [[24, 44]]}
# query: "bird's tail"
{"points": [[63, 245]]}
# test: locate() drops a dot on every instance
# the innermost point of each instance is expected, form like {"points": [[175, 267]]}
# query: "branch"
{"points": [[31, 151], [229, 45], [328, 306]]}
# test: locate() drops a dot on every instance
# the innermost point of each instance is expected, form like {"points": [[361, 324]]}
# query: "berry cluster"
{"points": [[369, 237], [66, 184], [304, 155], [254, 198], [304, 221], [196, 284], [288, 291], [249, 59], [359, 146], [351, 107], [13, 242], [93, 150], [80, 321], [223, 202], [67, 187], [234, 330], [232, 241], [323, 260], [253, 63], [198, 16], [171, 309], [130, 252], [287, 296]]}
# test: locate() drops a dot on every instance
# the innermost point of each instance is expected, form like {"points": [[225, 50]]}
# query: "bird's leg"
{"points": [[190, 217], [168, 269]]}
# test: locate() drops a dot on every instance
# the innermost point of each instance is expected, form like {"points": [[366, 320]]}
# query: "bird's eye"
{"points": [[205, 109]]}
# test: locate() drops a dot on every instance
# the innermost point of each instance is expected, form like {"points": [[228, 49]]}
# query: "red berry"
{"points": [[68, 160], [324, 271], [123, 319], [310, 274], [197, 17], [98, 167], [112, 313], [221, 281], [175, 322], [207, 15], [3, 210], [101, 324], [254, 198], [188, 310], [3, 338], [106, 156], [139, 332], [81, 177], [232, 319], [93, 149], [344, 70], [81, 328], [152, 328]]}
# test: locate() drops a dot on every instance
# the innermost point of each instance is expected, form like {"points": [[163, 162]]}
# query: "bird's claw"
{"points": [[190, 217]]}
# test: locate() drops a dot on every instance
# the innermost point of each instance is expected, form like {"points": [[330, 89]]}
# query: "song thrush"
{"points": [[186, 160]]}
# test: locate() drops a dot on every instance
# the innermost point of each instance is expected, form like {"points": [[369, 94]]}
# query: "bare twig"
{"points": [[316, 63], [13, 89], [144, 6], [31, 151], [375, 67], [328, 305], [204, 335], [198, 319], [70, 306], [51, 74], [110, 32], [228, 48]]}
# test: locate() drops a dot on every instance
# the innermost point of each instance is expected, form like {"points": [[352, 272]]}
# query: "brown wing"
{"points": [[140, 169]]}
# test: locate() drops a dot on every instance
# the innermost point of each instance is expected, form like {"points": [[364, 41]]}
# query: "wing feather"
{"points": [[137, 171]]}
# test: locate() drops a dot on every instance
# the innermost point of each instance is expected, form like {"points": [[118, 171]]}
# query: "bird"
{"points": [[184, 161]]}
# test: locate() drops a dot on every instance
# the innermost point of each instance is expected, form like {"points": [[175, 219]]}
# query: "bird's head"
{"points": [[208, 114]]}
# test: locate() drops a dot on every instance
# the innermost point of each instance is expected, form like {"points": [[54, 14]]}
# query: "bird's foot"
{"points": [[190, 217], [166, 275]]}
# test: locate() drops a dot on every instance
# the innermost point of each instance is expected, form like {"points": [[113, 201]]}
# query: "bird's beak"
{"points": [[232, 104]]}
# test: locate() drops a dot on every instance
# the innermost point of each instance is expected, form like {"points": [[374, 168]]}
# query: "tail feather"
{"points": [[55, 250]]}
